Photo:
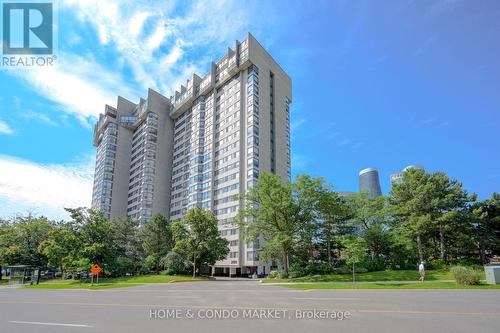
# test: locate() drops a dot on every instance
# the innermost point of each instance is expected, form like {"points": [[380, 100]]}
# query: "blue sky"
{"points": [[377, 84]]}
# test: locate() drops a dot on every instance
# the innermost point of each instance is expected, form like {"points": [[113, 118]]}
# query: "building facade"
{"points": [[369, 182], [397, 178], [203, 147]]}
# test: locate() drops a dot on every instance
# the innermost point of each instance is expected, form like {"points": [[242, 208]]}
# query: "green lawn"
{"points": [[4, 280], [113, 282], [76, 285], [155, 279], [413, 285], [389, 275]]}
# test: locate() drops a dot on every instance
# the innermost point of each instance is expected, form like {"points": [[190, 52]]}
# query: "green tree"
{"points": [[428, 204], [96, 237], [410, 202], [176, 263], [281, 214], [334, 214], [486, 225], [157, 240], [20, 239], [129, 248], [447, 200], [62, 247], [354, 252], [198, 239], [366, 210], [378, 242]]}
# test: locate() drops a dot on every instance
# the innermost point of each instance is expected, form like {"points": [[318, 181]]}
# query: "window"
{"points": [[253, 109], [252, 89], [253, 130], [253, 162], [253, 100], [253, 119], [252, 256], [252, 173], [253, 140], [252, 78], [253, 152], [253, 69]]}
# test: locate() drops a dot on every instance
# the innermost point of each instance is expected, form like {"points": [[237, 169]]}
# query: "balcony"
{"points": [[184, 100], [232, 67], [206, 84], [129, 121]]}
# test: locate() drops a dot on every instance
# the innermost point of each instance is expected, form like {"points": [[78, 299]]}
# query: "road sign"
{"points": [[95, 269]]}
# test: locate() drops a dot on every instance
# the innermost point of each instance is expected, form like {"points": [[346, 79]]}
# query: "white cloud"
{"points": [[160, 47], [30, 115], [152, 44], [5, 128], [156, 43], [43, 188], [78, 84]]}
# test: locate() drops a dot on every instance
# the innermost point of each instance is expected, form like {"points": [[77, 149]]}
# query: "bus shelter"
{"points": [[23, 274]]}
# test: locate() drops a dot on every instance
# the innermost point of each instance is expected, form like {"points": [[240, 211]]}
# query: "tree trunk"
{"points": [[442, 251], [482, 251], [194, 266], [329, 246], [420, 249], [353, 279], [286, 259], [287, 262]]}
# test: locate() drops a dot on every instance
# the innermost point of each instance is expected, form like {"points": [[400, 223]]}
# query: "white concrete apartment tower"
{"points": [[214, 137]]}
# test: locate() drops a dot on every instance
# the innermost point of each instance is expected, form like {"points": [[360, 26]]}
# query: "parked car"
{"points": [[82, 275]]}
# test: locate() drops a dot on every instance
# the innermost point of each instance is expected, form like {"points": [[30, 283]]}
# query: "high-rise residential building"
{"points": [[369, 182], [203, 147], [397, 178]]}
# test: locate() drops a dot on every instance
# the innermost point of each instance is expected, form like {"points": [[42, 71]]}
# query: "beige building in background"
{"points": [[203, 147]]}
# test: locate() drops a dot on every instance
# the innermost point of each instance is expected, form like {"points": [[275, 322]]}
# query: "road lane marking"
{"points": [[175, 296], [333, 298], [202, 290], [242, 307], [49, 324]]}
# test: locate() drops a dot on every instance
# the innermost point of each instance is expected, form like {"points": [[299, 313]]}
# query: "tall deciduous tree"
{"points": [[366, 210], [334, 214], [62, 247], [281, 213], [129, 245], [157, 240], [197, 237], [19, 240], [96, 237]]}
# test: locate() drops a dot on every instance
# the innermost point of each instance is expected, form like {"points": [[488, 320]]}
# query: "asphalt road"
{"points": [[247, 307]]}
